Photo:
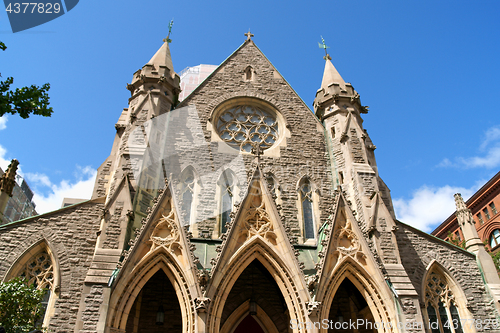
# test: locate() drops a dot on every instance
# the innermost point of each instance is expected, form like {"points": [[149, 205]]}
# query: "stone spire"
{"points": [[331, 76], [162, 57]]}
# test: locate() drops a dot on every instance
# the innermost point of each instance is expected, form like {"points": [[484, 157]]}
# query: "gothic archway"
{"points": [[352, 281], [40, 267], [255, 301], [256, 249], [156, 309], [126, 292], [349, 306]]}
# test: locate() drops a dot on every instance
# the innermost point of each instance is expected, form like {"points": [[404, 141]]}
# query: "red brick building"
{"points": [[485, 207]]}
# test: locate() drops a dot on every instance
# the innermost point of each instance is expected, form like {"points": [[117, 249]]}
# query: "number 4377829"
{"points": [[33, 7]]}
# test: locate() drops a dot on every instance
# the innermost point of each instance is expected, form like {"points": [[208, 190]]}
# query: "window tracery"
{"points": [[441, 306], [244, 126], [39, 271]]}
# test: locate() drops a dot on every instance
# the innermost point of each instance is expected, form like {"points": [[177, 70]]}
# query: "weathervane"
{"points": [[322, 45], [249, 34], [168, 40]]}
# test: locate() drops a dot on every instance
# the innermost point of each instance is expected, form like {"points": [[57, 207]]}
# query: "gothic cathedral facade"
{"points": [[239, 209]]}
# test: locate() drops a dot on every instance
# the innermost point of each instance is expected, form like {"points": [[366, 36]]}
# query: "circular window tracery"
{"points": [[244, 127]]}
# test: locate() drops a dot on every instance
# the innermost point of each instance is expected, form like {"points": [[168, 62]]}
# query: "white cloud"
{"points": [[490, 147], [3, 122], [430, 206], [49, 196], [52, 200]]}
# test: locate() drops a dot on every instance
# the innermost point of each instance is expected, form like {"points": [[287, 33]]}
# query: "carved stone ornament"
{"points": [[313, 307], [346, 242], [203, 278], [257, 221], [202, 303], [166, 233]]}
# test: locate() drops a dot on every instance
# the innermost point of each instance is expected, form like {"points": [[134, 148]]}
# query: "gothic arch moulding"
{"points": [[124, 294], [39, 265], [244, 310], [161, 243], [439, 285], [379, 302], [224, 279]]}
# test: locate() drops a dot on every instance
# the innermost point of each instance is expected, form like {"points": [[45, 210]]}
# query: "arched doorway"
{"points": [[349, 306], [257, 288], [156, 308]]}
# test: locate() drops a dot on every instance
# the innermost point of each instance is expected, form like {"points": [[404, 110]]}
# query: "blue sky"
{"points": [[428, 70]]}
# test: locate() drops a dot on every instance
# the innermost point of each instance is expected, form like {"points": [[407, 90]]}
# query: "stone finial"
{"points": [[249, 35], [459, 202], [8, 179]]}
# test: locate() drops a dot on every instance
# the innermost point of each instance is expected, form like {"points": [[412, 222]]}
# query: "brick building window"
{"points": [[440, 304], [495, 238], [486, 214], [480, 218], [493, 208]]}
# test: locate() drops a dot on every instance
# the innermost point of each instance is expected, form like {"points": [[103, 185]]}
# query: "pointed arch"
{"points": [[441, 293], [242, 312], [375, 296], [308, 208], [40, 266], [225, 277], [125, 293]]}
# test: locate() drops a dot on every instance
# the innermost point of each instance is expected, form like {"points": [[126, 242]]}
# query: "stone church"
{"points": [[241, 210]]}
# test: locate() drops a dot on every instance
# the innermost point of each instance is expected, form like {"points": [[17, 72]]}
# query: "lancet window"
{"points": [[226, 199], [306, 201], [188, 183], [441, 307]]}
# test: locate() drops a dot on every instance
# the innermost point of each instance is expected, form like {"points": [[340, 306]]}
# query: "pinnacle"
{"points": [[162, 57], [331, 75]]}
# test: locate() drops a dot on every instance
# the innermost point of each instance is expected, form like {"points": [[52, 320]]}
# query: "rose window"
{"points": [[245, 127]]}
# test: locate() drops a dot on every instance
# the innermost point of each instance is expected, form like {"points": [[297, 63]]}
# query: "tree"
{"points": [[23, 101], [20, 306]]}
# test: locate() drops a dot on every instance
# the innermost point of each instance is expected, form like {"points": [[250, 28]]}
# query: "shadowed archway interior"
{"points": [[349, 305], [257, 285], [157, 295]]}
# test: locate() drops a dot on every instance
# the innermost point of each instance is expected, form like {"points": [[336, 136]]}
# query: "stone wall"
{"points": [[302, 154], [418, 249], [70, 234]]}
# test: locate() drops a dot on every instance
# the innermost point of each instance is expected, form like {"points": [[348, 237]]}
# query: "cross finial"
{"points": [[322, 45], [249, 35], [168, 40]]}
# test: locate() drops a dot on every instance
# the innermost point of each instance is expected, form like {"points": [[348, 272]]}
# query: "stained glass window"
{"points": [[40, 272], [244, 127], [441, 307]]}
